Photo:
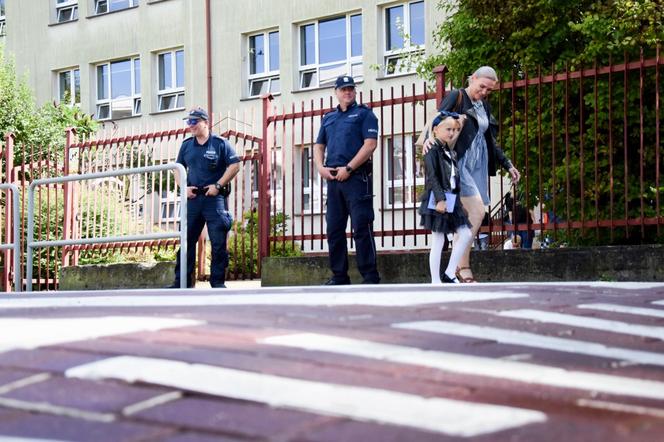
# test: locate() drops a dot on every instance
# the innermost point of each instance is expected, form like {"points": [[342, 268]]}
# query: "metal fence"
{"points": [[109, 234], [587, 142]]}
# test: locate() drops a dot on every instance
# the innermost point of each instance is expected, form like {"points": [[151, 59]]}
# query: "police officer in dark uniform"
{"points": [[347, 138], [211, 164]]}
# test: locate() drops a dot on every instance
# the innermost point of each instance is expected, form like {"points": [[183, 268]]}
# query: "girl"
{"points": [[440, 208]]}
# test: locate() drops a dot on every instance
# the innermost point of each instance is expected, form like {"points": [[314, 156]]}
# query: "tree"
{"points": [[34, 127], [527, 37]]}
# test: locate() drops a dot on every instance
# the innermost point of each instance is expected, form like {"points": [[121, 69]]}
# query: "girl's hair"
{"points": [[443, 116], [484, 72]]}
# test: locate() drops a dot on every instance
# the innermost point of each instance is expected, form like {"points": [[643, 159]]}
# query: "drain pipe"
{"points": [[208, 49]]}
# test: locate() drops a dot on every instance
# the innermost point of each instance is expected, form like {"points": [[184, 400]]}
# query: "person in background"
{"points": [[478, 152], [440, 208], [211, 164], [345, 143]]}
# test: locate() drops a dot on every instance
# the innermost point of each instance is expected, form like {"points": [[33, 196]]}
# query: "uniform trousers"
{"points": [[354, 198], [203, 210]]}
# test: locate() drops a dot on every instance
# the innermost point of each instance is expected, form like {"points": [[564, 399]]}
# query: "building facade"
{"points": [[143, 62]]}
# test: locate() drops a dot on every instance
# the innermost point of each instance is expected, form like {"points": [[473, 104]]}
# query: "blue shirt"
{"points": [[343, 133], [206, 163]]}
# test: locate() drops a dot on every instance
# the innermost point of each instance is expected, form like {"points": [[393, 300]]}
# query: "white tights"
{"points": [[462, 240]]}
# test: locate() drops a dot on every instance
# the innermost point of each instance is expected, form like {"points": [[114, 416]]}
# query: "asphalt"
{"points": [[480, 362]]}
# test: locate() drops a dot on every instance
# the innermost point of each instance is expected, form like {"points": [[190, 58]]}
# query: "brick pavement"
{"points": [[487, 362]]}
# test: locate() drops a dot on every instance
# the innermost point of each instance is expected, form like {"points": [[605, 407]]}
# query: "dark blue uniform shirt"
{"points": [[343, 133], [206, 163]]}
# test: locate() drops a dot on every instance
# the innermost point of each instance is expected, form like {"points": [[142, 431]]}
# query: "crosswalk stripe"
{"points": [[615, 308], [38, 332], [586, 322], [533, 340], [446, 416], [474, 365], [327, 298]]}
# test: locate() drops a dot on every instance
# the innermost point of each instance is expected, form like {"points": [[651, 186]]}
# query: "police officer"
{"points": [[211, 164], [349, 135]]}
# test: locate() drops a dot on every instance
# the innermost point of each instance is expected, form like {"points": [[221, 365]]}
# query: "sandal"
{"points": [[461, 278]]}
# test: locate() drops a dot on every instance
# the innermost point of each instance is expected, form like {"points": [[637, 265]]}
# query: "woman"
{"points": [[477, 151]]}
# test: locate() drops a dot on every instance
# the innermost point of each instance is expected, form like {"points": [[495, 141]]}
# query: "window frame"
{"points": [[135, 97], [269, 75], [312, 200], [176, 93], [97, 3], [72, 89], [393, 57], [314, 69], [394, 186], [3, 23], [62, 5]]}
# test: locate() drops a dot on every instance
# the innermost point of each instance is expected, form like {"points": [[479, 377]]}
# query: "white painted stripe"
{"points": [[474, 365], [440, 415], [622, 408], [151, 403], [5, 438], [615, 308], [327, 298], [22, 333], [660, 302], [57, 410], [533, 340], [587, 322], [30, 380]]}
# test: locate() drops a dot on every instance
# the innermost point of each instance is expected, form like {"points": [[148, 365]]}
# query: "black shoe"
{"points": [[333, 281], [366, 281], [218, 286], [447, 279]]}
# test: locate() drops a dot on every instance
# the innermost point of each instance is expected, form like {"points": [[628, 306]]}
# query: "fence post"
{"points": [[15, 218], [68, 199], [264, 194], [439, 72]]}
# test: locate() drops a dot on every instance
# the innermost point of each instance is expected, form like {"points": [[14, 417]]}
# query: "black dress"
{"points": [[439, 163]]}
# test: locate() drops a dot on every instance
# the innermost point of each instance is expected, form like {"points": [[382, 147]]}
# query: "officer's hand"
{"points": [[190, 192], [342, 174], [328, 174], [211, 190], [441, 206]]}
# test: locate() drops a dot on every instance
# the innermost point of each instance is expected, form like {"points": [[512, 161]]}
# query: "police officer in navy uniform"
{"points": [[345, 143], [211, 164]]}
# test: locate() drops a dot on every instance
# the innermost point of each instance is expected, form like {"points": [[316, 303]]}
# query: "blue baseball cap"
{"points": [[198, 113], [344, 81]]}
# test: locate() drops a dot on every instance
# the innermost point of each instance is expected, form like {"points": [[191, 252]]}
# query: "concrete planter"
{"points": [[609, 263]]}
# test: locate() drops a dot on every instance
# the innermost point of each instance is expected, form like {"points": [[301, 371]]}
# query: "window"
{"points": [[103, 6], [264, 64], [2, 18], [66, 10], [69, 86], [329, 48], [405, 174], [170, 94], [119, 89], [311, 184], [404, 36]]}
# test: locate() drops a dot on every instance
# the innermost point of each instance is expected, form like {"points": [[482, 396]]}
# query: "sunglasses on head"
{"points": [[193, 121]]}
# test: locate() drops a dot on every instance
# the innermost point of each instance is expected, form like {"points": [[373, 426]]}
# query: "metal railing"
{"points": [[182, 233], [15, 246]]}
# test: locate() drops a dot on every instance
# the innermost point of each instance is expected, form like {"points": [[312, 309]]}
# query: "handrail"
{"points": [[182, 234]]}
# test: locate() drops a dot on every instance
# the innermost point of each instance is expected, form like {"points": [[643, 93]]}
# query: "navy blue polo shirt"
{"points": [[343, 133], [206, 163]]}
